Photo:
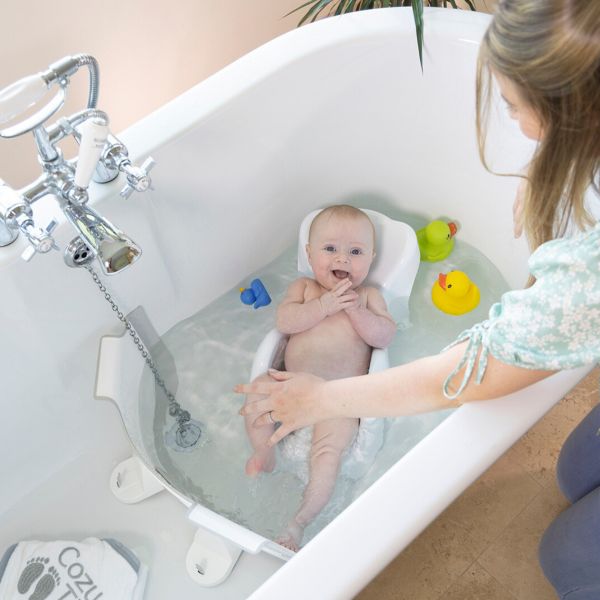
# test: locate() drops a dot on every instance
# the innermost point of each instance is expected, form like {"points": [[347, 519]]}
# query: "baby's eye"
{"points": [[356, 251], [329, 248]]}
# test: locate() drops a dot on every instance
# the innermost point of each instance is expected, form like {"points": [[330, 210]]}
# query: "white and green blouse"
{"points": [[553, 325]]}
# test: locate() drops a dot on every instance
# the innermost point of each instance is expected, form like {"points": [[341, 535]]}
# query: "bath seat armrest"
{"points": [[269, 354], [211, 521], [380, 360]]}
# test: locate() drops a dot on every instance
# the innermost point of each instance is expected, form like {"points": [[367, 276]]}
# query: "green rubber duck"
{"points": [[436, 240]]}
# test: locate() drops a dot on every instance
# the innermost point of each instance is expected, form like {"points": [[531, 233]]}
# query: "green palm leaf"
{"points": [[417, 6]]}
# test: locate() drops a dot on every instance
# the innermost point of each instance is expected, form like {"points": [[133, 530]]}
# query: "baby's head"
{"points": [[341, 245]]}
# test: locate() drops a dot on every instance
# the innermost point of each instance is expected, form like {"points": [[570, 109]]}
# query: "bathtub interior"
{"points": [[240, 161], [206, 354], [234, 186]]}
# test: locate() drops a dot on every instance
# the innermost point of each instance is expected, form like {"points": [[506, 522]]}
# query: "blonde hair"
{"points": [[345, 211], [550, 51]]}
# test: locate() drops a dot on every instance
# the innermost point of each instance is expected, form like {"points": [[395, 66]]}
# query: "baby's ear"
{"points": [[307, 248]]}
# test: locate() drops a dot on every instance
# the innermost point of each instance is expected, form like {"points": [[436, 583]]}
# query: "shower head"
{"points": [[112, 247]]}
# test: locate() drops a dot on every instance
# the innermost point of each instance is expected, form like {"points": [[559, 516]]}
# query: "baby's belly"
{"points": [[327, 352]]}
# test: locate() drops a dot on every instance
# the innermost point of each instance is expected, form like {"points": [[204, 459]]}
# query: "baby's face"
{"points": [[341, 248]]}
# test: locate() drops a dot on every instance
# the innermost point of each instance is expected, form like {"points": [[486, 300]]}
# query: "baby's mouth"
{"points": [[341, 274]]}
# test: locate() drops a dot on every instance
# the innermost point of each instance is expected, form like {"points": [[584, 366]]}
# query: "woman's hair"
{"points": [[550, 51]]}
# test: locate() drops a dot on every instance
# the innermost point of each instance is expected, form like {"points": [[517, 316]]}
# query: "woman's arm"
{"points": [[299, 399], [373, 322]]}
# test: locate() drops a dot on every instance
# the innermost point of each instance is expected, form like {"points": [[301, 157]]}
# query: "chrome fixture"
{"points": [[101, 157]]}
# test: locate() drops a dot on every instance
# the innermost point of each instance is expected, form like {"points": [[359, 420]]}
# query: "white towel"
{"points": [[93, 569]]}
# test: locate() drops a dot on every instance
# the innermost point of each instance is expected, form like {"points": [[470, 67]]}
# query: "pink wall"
{"points": [[149, 52]]}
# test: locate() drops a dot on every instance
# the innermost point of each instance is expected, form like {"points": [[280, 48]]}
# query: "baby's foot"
{"points": [[292, 536], [261, 460]]}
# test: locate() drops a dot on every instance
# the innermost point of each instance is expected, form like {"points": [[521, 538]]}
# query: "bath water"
{"points": [[213, 350]]}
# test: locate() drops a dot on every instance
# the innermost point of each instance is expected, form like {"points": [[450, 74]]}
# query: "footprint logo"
{"points": [[32, 573]]}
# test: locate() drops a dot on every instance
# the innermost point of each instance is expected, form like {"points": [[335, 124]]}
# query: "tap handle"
{"points": [[93, 137], [138, 178], [40, 240]]}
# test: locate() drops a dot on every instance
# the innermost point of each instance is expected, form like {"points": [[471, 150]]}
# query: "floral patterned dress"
{"points": [[553, 325]]}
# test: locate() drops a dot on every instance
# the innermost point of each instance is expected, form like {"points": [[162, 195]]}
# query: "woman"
{"points": [[545, 57]]}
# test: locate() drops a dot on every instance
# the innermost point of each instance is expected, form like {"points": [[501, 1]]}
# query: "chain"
{"points": [[182, 416]]}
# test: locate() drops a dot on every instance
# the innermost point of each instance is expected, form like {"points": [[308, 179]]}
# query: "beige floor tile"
{"points": [[445, 550], [492, 502], [537, 451], [427, 567], [477, 584], [512, 558]]}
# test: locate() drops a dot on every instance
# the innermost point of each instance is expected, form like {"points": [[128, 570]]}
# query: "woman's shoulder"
{"points": [[570, 255]]}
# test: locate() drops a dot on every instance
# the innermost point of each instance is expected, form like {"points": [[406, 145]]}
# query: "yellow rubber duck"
{"points": [[455, 293], [436, 240]]}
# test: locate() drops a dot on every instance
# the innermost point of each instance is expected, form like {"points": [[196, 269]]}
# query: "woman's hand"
{"points": [[294, 399]]}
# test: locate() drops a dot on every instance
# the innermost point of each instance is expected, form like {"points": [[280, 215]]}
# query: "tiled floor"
{"points": [[484, 546]]}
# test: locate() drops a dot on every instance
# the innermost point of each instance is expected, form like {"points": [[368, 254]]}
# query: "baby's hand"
{"points": [[355, 304], [339, 298]]}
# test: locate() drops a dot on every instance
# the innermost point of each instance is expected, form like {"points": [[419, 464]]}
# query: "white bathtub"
{"points": [[337, 111]]}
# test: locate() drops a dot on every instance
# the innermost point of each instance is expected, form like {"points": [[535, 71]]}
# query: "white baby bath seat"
{"points": [[393, 272]]}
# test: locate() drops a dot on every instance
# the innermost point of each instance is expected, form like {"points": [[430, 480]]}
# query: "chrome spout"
{"points": [[100, 155], [112, 247]]}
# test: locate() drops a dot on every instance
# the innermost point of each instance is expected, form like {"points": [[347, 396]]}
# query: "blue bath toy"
{"points": [[256, 294]]}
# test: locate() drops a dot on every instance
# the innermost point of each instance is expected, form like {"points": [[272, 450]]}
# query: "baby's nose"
{"points": [[342, 257]]}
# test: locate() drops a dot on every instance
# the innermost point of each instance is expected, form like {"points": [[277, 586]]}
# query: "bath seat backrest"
{"points": [[393, 271], [397, 254]]}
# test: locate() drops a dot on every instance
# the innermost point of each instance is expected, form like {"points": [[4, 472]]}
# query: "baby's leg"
{"points": [[263, 458], [330, 440]]}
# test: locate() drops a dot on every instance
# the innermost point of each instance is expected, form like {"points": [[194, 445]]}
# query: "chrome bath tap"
{"points": [[101, 156]]}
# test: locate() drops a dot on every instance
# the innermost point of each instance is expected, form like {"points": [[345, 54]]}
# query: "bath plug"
{"points": [[256, 294], [436, 240], [455, 293]]}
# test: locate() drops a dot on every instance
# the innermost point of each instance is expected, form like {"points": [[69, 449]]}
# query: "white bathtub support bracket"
{"points": [[211, 558], [131, 481]]}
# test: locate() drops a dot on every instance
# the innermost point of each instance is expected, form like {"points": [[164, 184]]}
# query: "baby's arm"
{"points": [[295, 315], [373, 322]]}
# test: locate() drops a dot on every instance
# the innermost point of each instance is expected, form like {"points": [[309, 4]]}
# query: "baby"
{"points": [[333, 323]]}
